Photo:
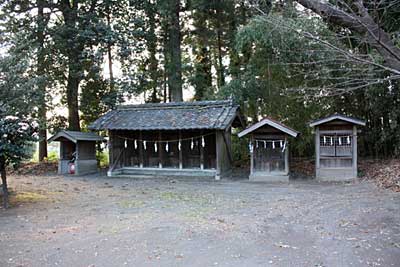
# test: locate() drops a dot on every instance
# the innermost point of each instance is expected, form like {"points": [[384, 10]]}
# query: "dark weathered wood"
{"points": [[228, 148]]}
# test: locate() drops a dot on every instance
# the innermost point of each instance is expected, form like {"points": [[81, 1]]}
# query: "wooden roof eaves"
{"points": [[271, 123]]}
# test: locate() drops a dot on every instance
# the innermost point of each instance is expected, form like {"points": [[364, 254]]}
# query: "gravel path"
{"points": [[98, 221]]}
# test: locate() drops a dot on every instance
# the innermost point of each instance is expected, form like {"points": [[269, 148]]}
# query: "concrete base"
{"points": [[336, 174], [85, 166], [63, 166], [82, 167], [159, 172], [262, 177]]}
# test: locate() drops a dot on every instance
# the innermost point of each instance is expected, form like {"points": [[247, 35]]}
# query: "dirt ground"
{"points": [[100, 221]]}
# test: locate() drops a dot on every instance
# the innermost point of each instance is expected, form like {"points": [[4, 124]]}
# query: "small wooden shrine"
{"points": [[336, 147], [171, 139], [269, 150], [77, 151]]}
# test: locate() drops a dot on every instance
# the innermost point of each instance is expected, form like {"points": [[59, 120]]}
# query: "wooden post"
{"points": [[160, 152], [201, 152], [317, 151], [251, 156], [355, 151], [180, 151], [140, 144], [110, 152], [218, 155], [286, 156]]}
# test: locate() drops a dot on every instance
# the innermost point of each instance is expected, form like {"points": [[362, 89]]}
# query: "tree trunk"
{"points": [[109, 55], [175, 60], [167, 95], [4, 183], [74, 65], [220, 67], [152, 47], [72, 94], [202, 81], [42, 84]]}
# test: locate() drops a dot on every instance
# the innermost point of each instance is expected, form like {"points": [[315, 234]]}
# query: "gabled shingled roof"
{"points": [[75, 136], [271, 122], [337, 116], [170, 116]]}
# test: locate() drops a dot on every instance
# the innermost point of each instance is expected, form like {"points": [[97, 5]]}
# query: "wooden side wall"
{"points": [[87, 150], [223, 149]]}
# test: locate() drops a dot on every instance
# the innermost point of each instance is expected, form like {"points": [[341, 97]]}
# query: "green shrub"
{"points": [[102, 159]]}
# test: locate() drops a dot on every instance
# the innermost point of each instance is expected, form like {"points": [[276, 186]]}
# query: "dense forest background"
{"points": [[291, 60]]}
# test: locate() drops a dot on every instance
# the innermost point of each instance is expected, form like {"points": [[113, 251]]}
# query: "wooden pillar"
{"points": [[317, 151], [140, 144], [110, 152], [201, 152], [218, 156], [76, 151], [160, 151], [180, 151], [286, 156], [252, 156], [354, 151], [62, 150]]}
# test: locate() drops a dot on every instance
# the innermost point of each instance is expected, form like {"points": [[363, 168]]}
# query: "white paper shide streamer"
{"points": [[250, 147]]}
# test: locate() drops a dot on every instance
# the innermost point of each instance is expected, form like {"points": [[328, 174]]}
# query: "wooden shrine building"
{"points": [[168, 139], [79, 149], [269, 150], [336, 147]]}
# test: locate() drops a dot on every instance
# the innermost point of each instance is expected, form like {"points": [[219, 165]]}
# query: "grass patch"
{"points": [[28, 197], [110, 230], [129, 204], [187, 198]]}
